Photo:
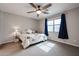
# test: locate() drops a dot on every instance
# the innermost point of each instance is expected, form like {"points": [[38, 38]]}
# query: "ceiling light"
{"points": [[38, 12]]}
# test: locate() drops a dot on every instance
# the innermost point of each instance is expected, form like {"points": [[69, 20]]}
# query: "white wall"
{"points": [[72, 19], [8, 21]]}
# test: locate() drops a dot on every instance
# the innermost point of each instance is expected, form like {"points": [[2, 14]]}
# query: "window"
{"points": [[54, 25], [57, 25], [50, 26]]}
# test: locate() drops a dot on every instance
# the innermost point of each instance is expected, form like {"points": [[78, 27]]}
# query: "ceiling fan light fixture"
{"points": [[40, 9], [38, 12]]}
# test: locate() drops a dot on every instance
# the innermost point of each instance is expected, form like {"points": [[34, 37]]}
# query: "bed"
{"points": [[30, 38]]}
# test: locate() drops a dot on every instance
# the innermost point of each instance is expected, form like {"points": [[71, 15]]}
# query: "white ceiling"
{"points": [[22, 8]]}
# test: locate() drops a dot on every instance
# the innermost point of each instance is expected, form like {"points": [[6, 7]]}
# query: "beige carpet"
{"points": [[47, 48], [10, 48]]}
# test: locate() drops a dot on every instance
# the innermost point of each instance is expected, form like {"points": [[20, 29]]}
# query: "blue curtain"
{"points": [[46, 27], [63, 34]]}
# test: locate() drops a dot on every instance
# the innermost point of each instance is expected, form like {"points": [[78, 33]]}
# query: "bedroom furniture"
{"points": [[30, 38]]}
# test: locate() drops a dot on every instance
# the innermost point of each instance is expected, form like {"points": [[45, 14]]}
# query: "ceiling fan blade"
{"points": [[47, 6], [33, 5], [30, 11], [45, 12]]}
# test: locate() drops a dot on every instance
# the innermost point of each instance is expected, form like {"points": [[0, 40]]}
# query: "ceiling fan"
{"points": [[40, 9]]}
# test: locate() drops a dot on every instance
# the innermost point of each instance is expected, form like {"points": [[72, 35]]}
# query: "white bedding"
{"points": [[28, 39]]}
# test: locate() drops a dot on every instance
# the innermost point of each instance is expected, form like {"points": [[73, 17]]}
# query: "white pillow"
{"points": [[29, 31], [23, 32]]}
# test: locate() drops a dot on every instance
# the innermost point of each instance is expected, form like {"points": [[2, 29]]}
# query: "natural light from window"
{"points": [[50, 26], [46, 46], [54, 25]]}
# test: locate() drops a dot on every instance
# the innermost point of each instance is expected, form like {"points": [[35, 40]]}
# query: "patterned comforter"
{"points": [[28, 39]]}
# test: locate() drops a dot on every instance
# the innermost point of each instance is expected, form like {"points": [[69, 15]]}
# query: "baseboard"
{"points": [[67, 43]]}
